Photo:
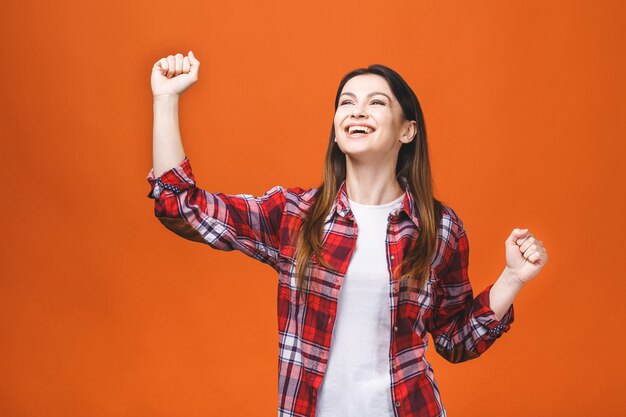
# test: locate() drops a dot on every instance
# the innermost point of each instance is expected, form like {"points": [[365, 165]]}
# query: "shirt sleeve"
{"points": [[227, 222], [463, 327]]}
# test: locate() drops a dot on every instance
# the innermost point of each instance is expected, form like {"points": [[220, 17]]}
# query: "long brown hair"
{"points": [[413, 164]]}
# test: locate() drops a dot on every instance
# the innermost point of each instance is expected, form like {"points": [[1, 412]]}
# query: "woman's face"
{"points": [[369, 122]]}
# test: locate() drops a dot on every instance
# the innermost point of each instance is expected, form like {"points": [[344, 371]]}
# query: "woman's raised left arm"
{"points": [[525, 257]]}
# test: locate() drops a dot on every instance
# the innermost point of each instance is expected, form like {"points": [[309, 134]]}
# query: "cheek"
{"points": [[337, 120], [389, 122]]}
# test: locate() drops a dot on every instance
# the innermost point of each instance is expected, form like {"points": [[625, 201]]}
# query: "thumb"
{"points": [[194, 65], [515, 234], [192, 59]]}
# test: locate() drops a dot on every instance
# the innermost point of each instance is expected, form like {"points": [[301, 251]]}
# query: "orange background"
{"points": [[104, 312]]}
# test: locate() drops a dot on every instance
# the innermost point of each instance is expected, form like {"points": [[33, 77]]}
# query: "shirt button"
{"points": [[394, 366], [395, 328], [394, 290], [393, 257], [397, 403], [390, 228]]}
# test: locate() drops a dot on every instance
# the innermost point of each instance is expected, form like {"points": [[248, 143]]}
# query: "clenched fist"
{"points": [[174, 74], [525, 255]]}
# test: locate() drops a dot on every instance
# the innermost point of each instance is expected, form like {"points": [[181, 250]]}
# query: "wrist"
{"points": [[165, 105], [509, 279], [165, 98]]}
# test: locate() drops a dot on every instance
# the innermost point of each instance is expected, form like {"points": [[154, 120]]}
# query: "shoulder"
{"points": [[449, 234], [291, 193], [298, 199], [451, 227], [292, 199]]}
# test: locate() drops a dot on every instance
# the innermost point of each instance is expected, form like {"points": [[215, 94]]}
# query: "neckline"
{"points": [[376, 206]]}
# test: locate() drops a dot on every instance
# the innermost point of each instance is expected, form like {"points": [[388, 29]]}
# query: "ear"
{"points": [[410, 129]]}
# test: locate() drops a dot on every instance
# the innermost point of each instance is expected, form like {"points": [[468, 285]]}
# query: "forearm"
{"points": [[503, 293], [167, 146]]}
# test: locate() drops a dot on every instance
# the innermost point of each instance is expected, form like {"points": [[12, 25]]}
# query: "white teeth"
{"points": [[368, 130]]}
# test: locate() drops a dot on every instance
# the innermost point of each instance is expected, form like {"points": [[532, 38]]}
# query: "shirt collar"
{"points": [[341, 204]]}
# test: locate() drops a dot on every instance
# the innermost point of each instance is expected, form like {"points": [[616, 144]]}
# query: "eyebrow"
{"points": [[369, 95]]}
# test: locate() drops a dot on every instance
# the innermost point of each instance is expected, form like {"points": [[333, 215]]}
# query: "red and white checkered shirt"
{"points": [[462, 327]]}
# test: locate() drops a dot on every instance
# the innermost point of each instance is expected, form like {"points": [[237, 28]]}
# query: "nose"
{"points": [[357, 111]]}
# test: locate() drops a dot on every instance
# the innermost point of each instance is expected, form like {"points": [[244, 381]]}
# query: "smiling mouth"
{"points": [[358, 131]]}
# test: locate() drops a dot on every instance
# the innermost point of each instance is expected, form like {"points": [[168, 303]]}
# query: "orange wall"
{"points": [[104, 312]]}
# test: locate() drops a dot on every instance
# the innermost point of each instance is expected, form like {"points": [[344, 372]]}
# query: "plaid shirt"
{"points": [[462, 327]]}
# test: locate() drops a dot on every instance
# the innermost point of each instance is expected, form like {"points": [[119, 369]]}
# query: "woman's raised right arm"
{"points": [[171, 76], [242, 222]]}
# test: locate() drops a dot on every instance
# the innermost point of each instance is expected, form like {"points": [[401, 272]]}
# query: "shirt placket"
{"points": [[392, 257]]}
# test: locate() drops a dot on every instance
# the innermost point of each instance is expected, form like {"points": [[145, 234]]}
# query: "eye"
{"points": [[378, 101], [345, 101]]}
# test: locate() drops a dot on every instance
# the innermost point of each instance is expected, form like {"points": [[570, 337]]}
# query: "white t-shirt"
{"points": [[357, 382]]}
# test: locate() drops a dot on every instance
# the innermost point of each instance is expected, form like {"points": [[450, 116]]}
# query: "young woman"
{"points": [[368, 263]]}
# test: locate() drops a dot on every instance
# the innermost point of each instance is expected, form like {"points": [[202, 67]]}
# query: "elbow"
{"points": [[182, 228], [456, 354]]}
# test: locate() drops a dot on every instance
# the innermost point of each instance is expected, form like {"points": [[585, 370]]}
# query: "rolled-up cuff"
{"points": [[176, 179], [488, 318]]}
